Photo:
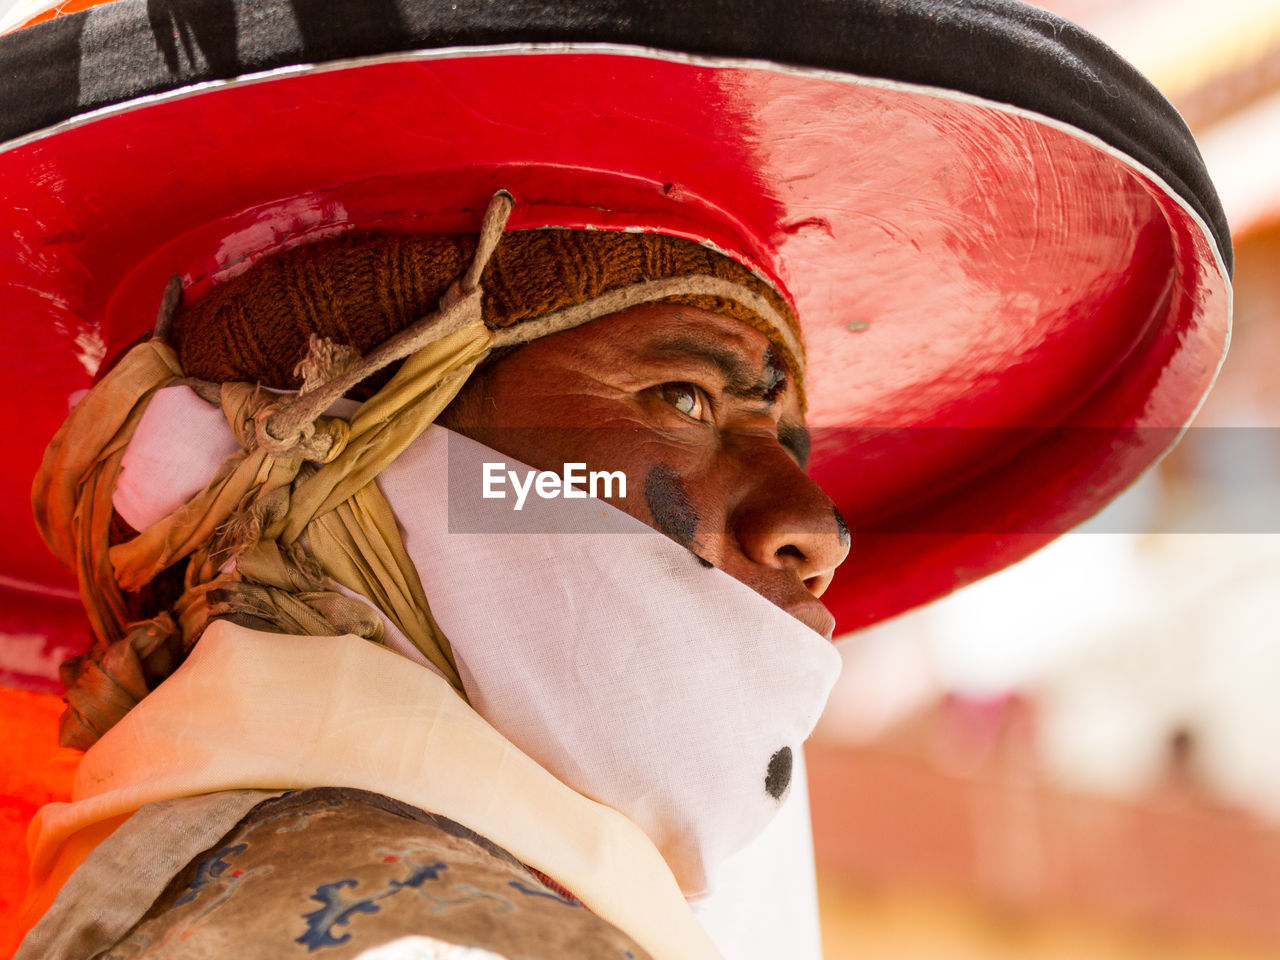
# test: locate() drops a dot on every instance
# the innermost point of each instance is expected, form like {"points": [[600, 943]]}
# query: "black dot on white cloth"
{"points": [[778, 778]]}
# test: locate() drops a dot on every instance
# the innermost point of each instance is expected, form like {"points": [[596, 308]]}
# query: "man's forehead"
{"points": [[750, 374], [753, 365]]}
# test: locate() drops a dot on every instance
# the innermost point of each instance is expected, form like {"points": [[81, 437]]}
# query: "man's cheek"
{"points": [[670, 505]]}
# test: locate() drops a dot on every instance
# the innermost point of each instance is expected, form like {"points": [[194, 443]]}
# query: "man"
{"points": [[637, 710], [696, 406]]}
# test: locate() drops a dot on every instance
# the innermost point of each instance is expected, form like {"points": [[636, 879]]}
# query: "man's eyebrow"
{"points": [[740, 379], [795, 437]]}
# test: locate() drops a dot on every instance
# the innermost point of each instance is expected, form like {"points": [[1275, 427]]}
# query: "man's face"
{"points": [[702, 417]]}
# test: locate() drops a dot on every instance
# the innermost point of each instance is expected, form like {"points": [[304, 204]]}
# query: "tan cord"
{"points": [[495, 222], [287, 427], [168, 307]]}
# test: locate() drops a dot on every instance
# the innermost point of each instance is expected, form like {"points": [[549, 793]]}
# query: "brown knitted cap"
{"points": [[360, 289]]}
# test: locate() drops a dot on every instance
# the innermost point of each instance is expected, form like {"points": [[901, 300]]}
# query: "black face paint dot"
{"points": [[775, 375], [669, 504], [841, 527], [778, 778]]}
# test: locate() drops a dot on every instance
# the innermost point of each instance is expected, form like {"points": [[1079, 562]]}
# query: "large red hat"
{"points": [[1010, 267]]}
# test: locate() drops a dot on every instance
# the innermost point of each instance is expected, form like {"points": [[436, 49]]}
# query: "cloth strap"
{"points": [[241, 533]]}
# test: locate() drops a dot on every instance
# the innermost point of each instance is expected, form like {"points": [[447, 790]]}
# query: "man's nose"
{"points": [[786, 522]]}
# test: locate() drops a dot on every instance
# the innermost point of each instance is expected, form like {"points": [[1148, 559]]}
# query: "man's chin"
{"points": [[786, 592], [814, 615]]}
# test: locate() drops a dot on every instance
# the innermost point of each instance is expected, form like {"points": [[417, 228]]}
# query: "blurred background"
{"points": [[1078, 758]]}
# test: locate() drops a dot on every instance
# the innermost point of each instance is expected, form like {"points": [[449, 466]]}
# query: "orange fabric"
{"points": [[33, 771], [70, 6], [73, 852]]}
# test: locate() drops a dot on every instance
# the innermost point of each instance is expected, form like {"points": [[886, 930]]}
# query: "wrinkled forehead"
{"points": [[752, 366]]}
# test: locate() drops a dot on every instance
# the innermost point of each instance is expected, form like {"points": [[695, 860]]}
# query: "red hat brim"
{"points": [[1007, 317]]}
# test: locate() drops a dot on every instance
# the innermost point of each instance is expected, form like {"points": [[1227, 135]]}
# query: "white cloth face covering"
{"points": [[599, 647]]}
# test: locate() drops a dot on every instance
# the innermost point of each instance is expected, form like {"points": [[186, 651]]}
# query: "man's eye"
{"points": [[685, 397]]}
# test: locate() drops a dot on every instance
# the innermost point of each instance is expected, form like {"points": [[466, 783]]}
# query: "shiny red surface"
{"points": [[959, 270]]}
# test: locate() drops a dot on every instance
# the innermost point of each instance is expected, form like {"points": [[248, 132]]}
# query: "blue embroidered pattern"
{"points": [[208, 870], [530, 891], [337, 910]]}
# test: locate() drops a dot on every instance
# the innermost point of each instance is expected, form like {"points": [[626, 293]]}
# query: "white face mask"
{"points": [[605, 651], [608, 653]]}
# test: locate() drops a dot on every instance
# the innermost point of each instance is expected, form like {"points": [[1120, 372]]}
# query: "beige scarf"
{"points": [[252, 711]]}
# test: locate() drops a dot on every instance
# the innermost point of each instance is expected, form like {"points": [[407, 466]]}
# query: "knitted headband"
{"points": [[360, 289]]}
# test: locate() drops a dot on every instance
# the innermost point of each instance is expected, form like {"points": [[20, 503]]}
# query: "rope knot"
{"points": [[325, 360], [319, 440]]}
